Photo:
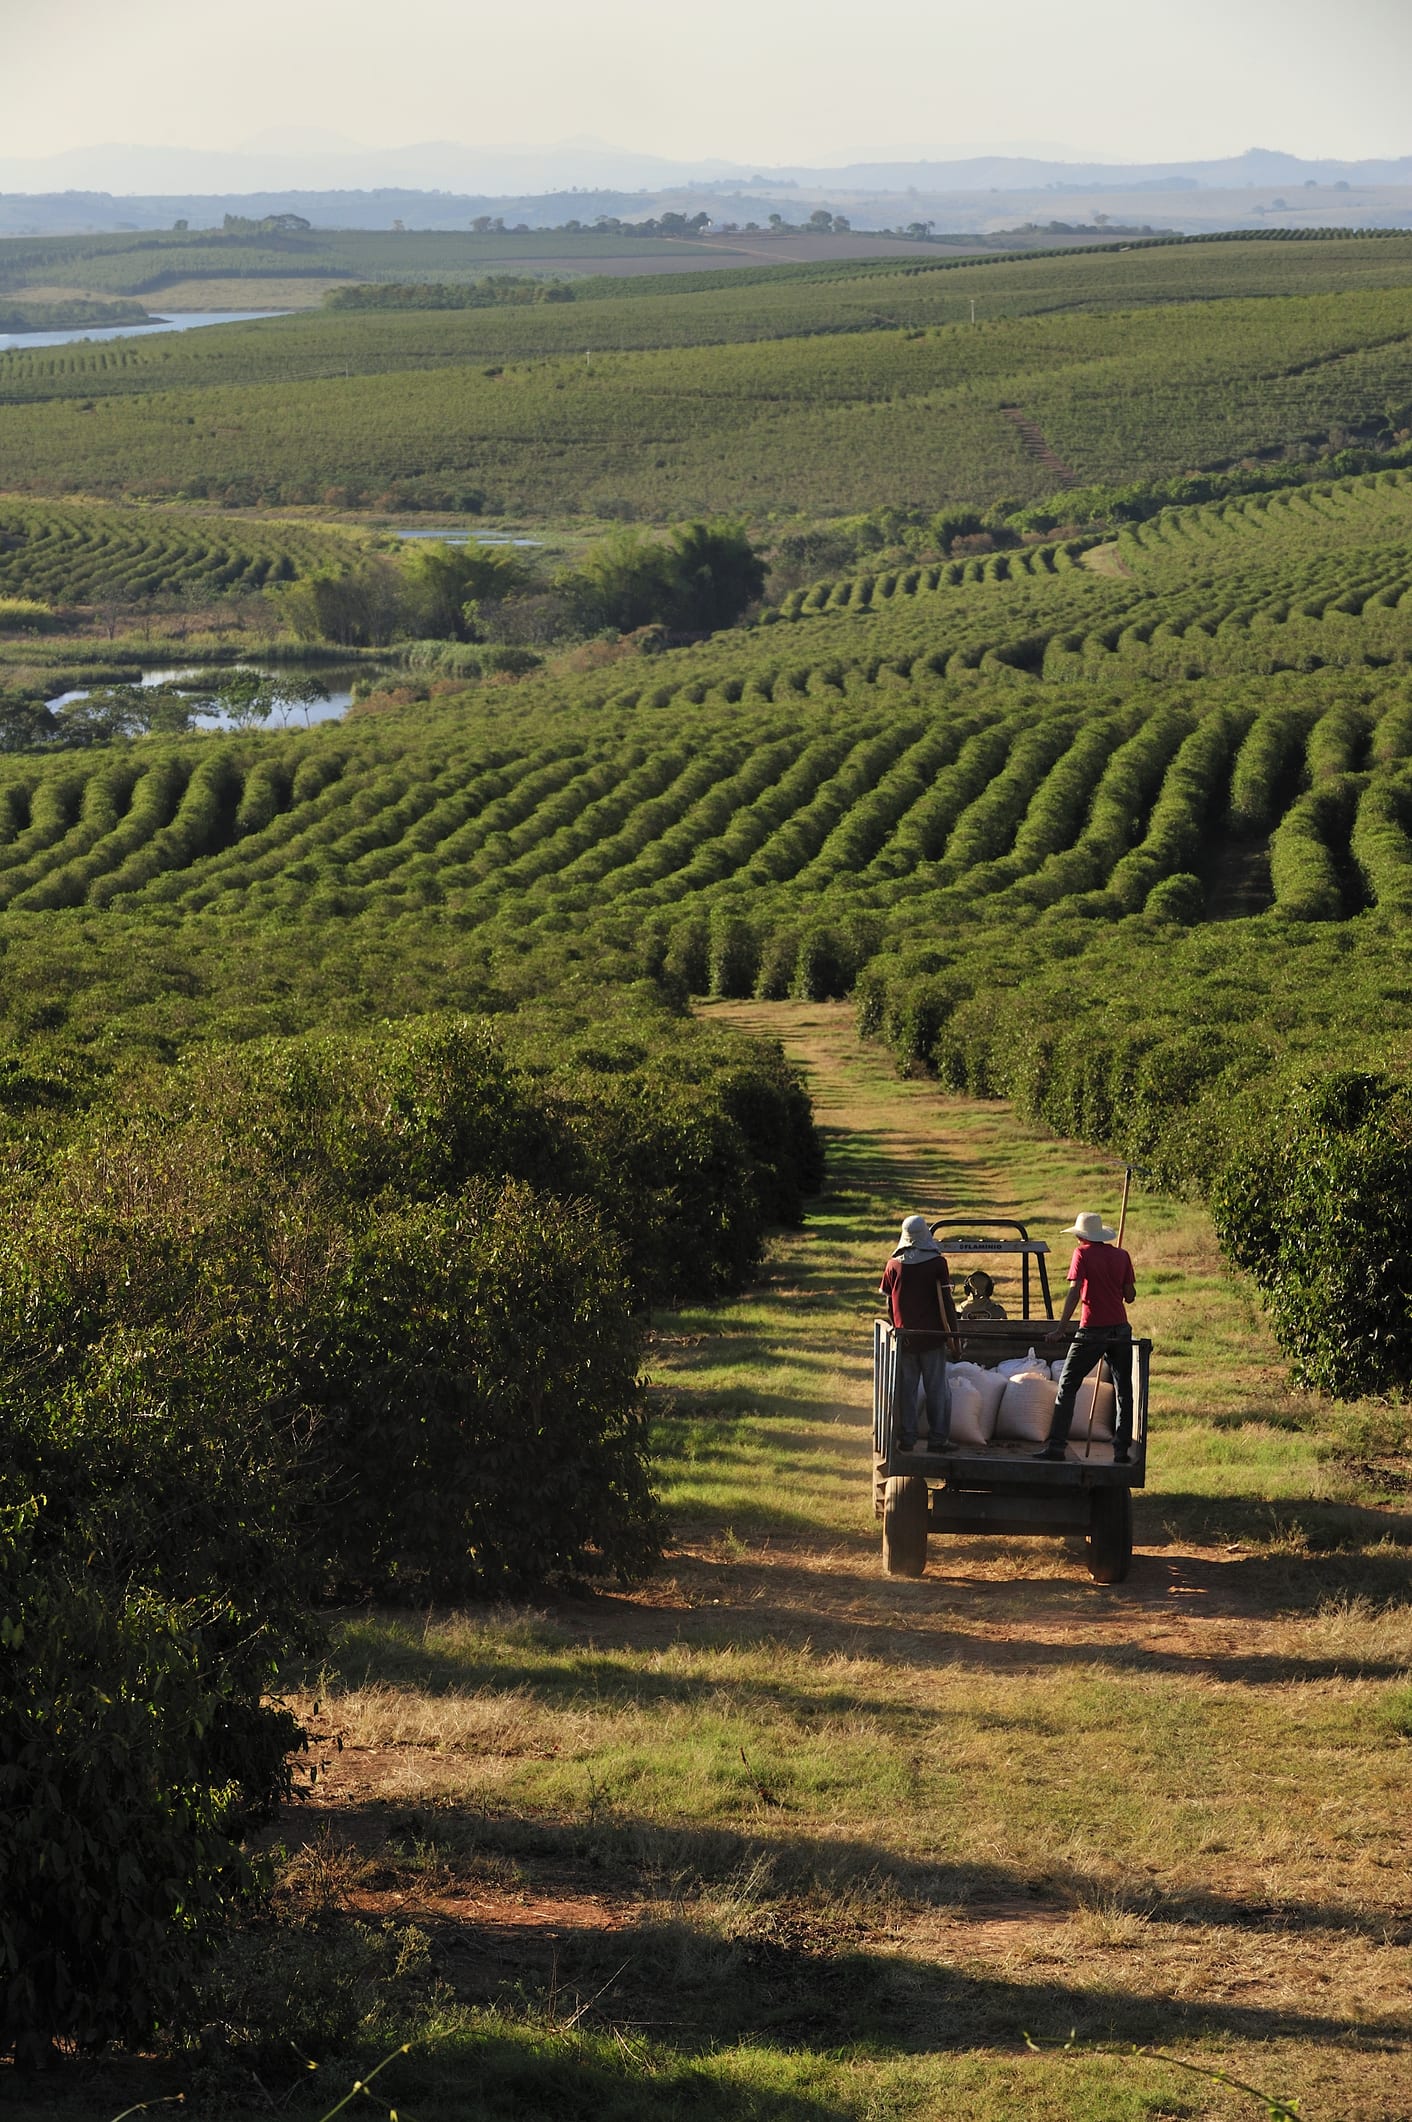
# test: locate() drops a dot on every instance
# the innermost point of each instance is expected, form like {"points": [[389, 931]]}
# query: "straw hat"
{"points": [[916, 1238], [1091, 1228]]}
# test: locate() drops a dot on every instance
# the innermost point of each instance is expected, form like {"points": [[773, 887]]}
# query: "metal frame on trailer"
{"points": [[1000, 1488], [1029, 1248]]}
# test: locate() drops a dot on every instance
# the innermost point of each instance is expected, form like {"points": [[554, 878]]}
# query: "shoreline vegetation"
{"points": [[68, 315]]}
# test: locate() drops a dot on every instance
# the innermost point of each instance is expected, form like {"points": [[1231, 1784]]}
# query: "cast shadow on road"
{"points": [[801, 1916]]}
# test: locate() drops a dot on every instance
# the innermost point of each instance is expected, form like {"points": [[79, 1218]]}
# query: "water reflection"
{"points": [[181, 321], [331, 688]]}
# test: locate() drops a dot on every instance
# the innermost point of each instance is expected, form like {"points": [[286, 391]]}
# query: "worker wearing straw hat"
{"points": [[1101, 1279]]}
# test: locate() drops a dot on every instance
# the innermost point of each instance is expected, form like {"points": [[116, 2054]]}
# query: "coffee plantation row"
{"points": [[848, 800], [72, 555], [884, 781], [915, 412], [918, 727], [1294, 580], [227, 1282], [718, 307]]}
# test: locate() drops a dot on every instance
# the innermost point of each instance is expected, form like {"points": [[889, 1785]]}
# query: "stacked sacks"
{"points": [[976, 1394], [1027, 1408], [1015, 1400]]}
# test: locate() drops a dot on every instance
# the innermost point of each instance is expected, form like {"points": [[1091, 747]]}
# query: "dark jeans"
{"points": [[922, 1371], [1089, 1344]]}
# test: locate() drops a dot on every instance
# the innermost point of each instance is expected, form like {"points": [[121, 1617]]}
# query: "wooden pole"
{"points": [[1123, 1211], [1103, 1364]]}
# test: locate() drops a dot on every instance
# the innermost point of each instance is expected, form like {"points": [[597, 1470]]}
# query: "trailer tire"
{"points": [[904, 1519], [1110, 1537]]}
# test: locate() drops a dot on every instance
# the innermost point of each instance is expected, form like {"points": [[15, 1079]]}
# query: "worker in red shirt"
{"points": [[917, 1285], [1101, 1276]]}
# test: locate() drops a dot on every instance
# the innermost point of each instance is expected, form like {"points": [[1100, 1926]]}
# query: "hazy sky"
{"points": [[752, 80]]}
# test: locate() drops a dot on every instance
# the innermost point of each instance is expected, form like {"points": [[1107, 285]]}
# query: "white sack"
{"points": [[969, 1421], [989, 1384], [1028, 1407], [1019, 1364]]}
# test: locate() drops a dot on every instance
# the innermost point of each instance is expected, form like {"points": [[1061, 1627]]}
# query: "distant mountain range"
{"points": [[318, 162], [443, 186]]}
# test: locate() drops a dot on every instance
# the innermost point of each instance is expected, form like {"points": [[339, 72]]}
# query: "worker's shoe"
{"points": [[1051, 1451], [1121, 1455]]}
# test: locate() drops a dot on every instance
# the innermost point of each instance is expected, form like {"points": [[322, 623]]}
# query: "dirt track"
{"points": [[1277, 1923]]}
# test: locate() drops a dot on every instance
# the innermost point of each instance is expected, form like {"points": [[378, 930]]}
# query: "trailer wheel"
{"points": [[1110, 1537], [904, 1539]]}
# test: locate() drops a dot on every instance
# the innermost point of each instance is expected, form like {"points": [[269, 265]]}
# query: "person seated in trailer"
{"points": [[1101, 1280], [980, 1300], [917, 1285]]}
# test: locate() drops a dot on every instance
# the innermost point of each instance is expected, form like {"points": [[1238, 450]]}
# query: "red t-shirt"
{"points": [[911, 1291], [1103, 1273]]}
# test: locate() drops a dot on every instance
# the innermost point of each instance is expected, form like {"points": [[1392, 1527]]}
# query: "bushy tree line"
{"points": [[703, 576], [354, 1314], [491, 291], [1247, 1066]]}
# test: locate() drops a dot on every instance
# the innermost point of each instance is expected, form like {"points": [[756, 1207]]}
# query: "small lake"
{"points": [[336, 681], [190, 320]]}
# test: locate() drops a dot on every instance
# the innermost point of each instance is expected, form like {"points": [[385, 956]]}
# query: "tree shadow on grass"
{"points": [[607, 1678], [675, 1981], [776, 1875], [1325, 1528], [488, 2070], [589, 1649]]}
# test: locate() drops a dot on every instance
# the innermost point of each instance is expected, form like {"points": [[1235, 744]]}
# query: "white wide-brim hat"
{"points": [[1091, 1228], [916, 1237]]}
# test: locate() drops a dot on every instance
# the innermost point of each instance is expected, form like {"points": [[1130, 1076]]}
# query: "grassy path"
{"points": [[821, 1844], [774, 1837]]}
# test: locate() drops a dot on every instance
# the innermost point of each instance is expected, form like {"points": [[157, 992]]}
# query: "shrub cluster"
{"points": [[1218, 1061], [348, 1314], [122, 1783], [1315, 1206]]}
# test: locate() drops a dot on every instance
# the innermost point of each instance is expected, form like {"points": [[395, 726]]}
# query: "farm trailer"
{"points": [[1000, 1487]]}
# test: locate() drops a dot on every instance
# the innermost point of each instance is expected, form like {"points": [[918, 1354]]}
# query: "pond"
{"points": [[183, 321], [335, 680]]}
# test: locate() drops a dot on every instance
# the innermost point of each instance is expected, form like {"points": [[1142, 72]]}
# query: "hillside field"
{"points": [[433, 1333], [811, 390]]}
